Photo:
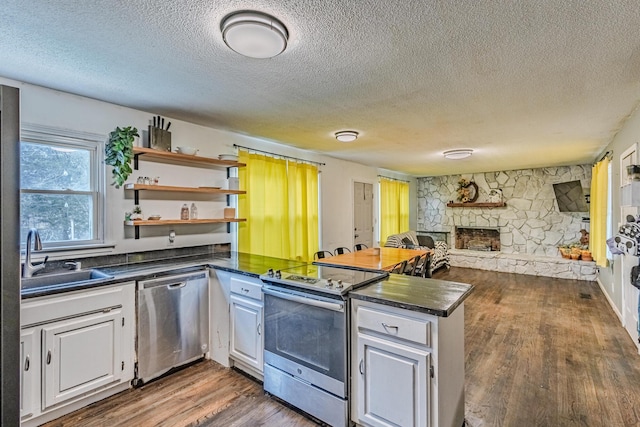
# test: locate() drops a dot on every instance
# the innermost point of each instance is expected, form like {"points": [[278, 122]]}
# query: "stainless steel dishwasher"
{"points": [[173, 323]]}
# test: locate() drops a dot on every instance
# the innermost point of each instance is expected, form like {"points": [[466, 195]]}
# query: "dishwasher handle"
{"points": [[177, 285]]}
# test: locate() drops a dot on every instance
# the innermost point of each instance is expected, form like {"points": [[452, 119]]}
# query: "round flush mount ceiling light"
{"points": [[254, 34], [458, 154], [347, 135]]}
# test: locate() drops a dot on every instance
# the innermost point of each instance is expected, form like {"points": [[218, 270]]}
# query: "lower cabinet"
{"points": [[29, 372], [393, 383], [407, 367], [76, 348], [246, 342], [81, 355]]}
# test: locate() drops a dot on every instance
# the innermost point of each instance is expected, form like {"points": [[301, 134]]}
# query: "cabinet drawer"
{"points": [[246, 288], [415, 330]]}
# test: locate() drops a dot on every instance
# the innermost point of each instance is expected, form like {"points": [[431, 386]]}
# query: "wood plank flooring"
{"points": [[539, 352]]}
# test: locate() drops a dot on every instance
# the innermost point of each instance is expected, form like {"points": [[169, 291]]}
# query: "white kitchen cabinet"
{"points": [[81, 355], [29, 366], [82, 347], [393, 382], [408, 367], [246, 342]]}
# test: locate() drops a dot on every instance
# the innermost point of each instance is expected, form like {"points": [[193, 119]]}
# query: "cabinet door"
{"points": [[393, 384], [28, 373], [81, 355], [246, 342]]}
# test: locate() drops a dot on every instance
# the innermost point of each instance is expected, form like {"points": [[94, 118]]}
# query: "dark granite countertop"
{"points": [[432, 296], [241, 263]]}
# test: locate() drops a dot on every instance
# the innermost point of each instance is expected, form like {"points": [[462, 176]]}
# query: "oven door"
{"points": [[305, 336]]}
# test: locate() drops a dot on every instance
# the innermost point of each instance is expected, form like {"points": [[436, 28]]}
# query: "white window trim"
{"points": [[95, 143]]}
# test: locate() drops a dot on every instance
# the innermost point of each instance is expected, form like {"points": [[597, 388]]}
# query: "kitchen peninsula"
{"points": [[423, 318]]}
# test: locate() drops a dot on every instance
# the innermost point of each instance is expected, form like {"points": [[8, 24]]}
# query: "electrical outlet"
{"points": [[172, 237]]}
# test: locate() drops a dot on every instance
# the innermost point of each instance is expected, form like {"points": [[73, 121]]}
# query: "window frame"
{"points": [[94, 144]]}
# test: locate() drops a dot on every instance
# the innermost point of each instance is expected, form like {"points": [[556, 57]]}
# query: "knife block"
{"points": [[159, 139]]}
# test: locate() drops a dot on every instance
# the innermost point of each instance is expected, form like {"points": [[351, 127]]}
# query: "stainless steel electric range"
{"points": [[306, 331]]}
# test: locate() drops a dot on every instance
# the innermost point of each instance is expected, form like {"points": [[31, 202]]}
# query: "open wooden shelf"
{"points": [[477, 205], [192, 160], [139, 222], [203, 190]]}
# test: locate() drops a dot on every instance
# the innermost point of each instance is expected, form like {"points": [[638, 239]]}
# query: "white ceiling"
{"points": [[523, 83]]}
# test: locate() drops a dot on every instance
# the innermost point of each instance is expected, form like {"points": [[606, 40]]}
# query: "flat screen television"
{"points": [[570, 197]]}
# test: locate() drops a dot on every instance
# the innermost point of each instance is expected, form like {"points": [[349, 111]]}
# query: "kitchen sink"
{"points": [[66, 278]]}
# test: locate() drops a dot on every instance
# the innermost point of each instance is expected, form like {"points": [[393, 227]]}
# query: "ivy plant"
{"points": [[119, 152]]}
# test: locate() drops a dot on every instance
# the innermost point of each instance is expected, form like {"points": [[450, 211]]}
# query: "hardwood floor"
{"points": [[539, 352], [545, 352]]}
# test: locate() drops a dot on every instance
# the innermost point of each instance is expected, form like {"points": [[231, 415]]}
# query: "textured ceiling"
{"points": [[523, 83]]}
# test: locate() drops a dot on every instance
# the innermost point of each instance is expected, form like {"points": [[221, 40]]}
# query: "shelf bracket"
{"points": [[135, 161], [136, 197], [137, 231]]}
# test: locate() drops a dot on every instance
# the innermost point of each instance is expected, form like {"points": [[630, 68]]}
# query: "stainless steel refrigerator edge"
{"points": [[10, 247]]}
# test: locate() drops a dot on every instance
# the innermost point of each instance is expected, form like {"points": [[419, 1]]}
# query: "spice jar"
{"points": [[184, 212]]}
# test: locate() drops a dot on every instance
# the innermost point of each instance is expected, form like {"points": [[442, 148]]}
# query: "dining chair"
{"points": [[322, 254], [423, 266], [411, 265], [359, 247], [399, 267], [341, 250]]}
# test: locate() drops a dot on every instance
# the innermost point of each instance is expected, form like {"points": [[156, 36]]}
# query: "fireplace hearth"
{"points": [[477, 239]]}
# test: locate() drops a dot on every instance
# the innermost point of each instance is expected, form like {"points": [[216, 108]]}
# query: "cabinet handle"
{"points": [[27, 363], [259, 328], [385, 326], [361, 367], [245, 290], [49, 357]]}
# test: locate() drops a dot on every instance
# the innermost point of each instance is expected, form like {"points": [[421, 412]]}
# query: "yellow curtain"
{"points": [[281, 207], [394, 208], [598, 212]]}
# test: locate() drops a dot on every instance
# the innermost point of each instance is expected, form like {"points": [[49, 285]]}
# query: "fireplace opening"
{"points": [[478, 239]]}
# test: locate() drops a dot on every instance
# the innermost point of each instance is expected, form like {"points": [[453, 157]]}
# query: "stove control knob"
{"points": [[270, 272], [329, 283], [339, 285], [278, 274]]}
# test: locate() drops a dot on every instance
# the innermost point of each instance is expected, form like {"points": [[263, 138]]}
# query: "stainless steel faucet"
{"points": [[29, 269]]}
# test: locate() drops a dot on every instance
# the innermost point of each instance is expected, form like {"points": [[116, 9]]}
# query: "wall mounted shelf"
{"points": [[148, 222], [477, 205], [183, 159]]}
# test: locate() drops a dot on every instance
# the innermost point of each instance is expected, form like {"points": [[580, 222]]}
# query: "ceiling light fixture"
{"points": [[347, 135], [254, 34], [458, 154]]}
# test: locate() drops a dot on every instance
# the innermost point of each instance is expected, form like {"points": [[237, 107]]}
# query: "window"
{"points": [[61, 186], [394, 207]]}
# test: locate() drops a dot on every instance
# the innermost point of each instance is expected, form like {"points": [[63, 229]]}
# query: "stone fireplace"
{"points": [[477, 238]]}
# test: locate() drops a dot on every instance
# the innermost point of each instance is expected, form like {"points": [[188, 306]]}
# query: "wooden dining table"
{"points": [[369, 259]]}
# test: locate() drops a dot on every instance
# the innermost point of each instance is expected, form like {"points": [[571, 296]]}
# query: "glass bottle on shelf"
{"points": [[194, 211], [184, 212]]}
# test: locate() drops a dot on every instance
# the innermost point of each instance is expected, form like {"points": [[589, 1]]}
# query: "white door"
{"points": [[393, 384], [246, 331], [28, 373], [81, 355], [363, 213], [630, 315], [629, 293]]}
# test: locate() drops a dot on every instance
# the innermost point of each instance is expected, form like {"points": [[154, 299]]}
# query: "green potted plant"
{"points": [[119, 152]]}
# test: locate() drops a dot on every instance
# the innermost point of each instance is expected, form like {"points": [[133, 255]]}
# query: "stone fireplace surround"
{"points": [[530, 226]]}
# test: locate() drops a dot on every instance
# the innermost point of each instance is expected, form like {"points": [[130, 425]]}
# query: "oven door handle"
{"points": [[304, 300]]}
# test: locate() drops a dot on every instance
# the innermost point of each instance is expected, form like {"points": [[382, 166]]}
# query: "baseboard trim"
{"points": [[609, 300]]}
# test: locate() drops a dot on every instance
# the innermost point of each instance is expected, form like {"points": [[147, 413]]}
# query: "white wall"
{"points": [[47, 107], [611, 277]]}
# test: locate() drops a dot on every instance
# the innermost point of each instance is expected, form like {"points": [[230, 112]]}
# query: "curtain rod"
{"points": [[279, 155], [394, 179], [608, 154]]}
